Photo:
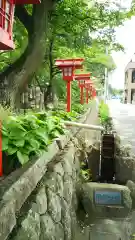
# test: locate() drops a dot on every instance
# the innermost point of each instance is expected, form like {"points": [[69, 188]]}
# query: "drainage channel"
{"points": [[108, 196], [107, 158]]}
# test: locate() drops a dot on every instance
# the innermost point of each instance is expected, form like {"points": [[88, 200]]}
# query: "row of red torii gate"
{"points": [[68, 66]]}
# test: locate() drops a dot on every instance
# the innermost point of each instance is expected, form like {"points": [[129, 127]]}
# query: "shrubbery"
{"points": [[26, 136], [104, 112]]}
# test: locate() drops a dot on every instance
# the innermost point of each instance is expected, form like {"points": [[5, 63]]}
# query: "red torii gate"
{"points": [[68, 67], [82, 78]]}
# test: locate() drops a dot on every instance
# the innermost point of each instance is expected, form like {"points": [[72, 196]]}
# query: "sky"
{"points": [[126, 36]]}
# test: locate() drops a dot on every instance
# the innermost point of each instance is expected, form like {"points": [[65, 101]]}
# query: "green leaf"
{"points": [[50, 124], [26, 149], [23, 158], [4, 131], [11, 150], [13, 125], [14, 133], [40, 152], [43, 135], [55, 133], [34, 143], [4, 143], [60, 130], [19, 142]]}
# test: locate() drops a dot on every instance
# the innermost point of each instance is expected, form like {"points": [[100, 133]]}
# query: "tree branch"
{"points": [[22, 14]]}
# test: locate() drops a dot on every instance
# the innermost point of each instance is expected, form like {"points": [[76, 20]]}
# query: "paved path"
{"points": [[118, 229], [124, 121]]}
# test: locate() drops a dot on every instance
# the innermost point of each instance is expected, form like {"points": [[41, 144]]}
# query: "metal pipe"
{"points": [[82, 125]]}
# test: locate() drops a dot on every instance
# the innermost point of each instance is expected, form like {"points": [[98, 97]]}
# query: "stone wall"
{"points": [[49, 213], [39, 201]]}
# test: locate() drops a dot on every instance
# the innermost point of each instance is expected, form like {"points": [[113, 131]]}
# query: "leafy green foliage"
{"points": [[79, 29], [26, 136], [85, 173], [103, 112], [114, 91], [65, 116], [20, 39]]}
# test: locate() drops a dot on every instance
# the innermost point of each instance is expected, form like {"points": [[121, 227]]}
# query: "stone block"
{"points": [[124, 169], [30, 227], [66, 219], [41, 201], [17, 194], [54, 182], [68, 159], [131, 186], [110, 229], [59, 232], [54, 205], [77, 163], [74, 200], [73, 222], [7, 219], [68, 190], [60, 186], [94, 210], [74, 174], [50, 181], [47, 227], [58, 169], [82, 233], [63, 140]]}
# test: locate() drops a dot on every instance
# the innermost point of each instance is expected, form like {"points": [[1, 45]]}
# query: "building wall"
{"points": [[128, 84]]}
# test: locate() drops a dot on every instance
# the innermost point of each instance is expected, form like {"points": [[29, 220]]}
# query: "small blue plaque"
{"points": [[103, 197]]}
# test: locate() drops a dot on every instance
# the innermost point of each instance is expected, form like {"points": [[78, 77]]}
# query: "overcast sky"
{"points": [[125, 36]]}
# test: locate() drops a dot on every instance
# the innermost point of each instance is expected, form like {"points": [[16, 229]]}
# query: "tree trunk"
{"points": [[52, 93], [53, 97], [18, 74]]}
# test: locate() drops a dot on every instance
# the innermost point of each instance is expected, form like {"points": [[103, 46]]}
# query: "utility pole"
{"points": [[106, 81]]}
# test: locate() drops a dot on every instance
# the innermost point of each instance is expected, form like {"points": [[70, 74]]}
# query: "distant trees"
{"points": [[114, 91]]}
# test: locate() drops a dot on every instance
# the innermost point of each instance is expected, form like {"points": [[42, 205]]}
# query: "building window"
{"points": [[133, 76]]}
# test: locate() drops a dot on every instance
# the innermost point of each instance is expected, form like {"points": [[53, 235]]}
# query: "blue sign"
{"points": [[104, 197]]}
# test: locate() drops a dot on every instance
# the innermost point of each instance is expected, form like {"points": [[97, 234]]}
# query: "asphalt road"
{"points": [[124, 121]]}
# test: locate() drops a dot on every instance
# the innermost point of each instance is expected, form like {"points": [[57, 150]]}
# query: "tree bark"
{"points": [[51, 93], [18, 74]]}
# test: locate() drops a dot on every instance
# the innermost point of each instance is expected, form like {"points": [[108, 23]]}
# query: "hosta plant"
{"points": [[29, 135]]}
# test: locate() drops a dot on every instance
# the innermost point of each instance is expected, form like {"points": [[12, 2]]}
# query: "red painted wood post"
{"points": [[90, 94], [1, 170], [68, 96], [87, 95], [81, 95]]}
